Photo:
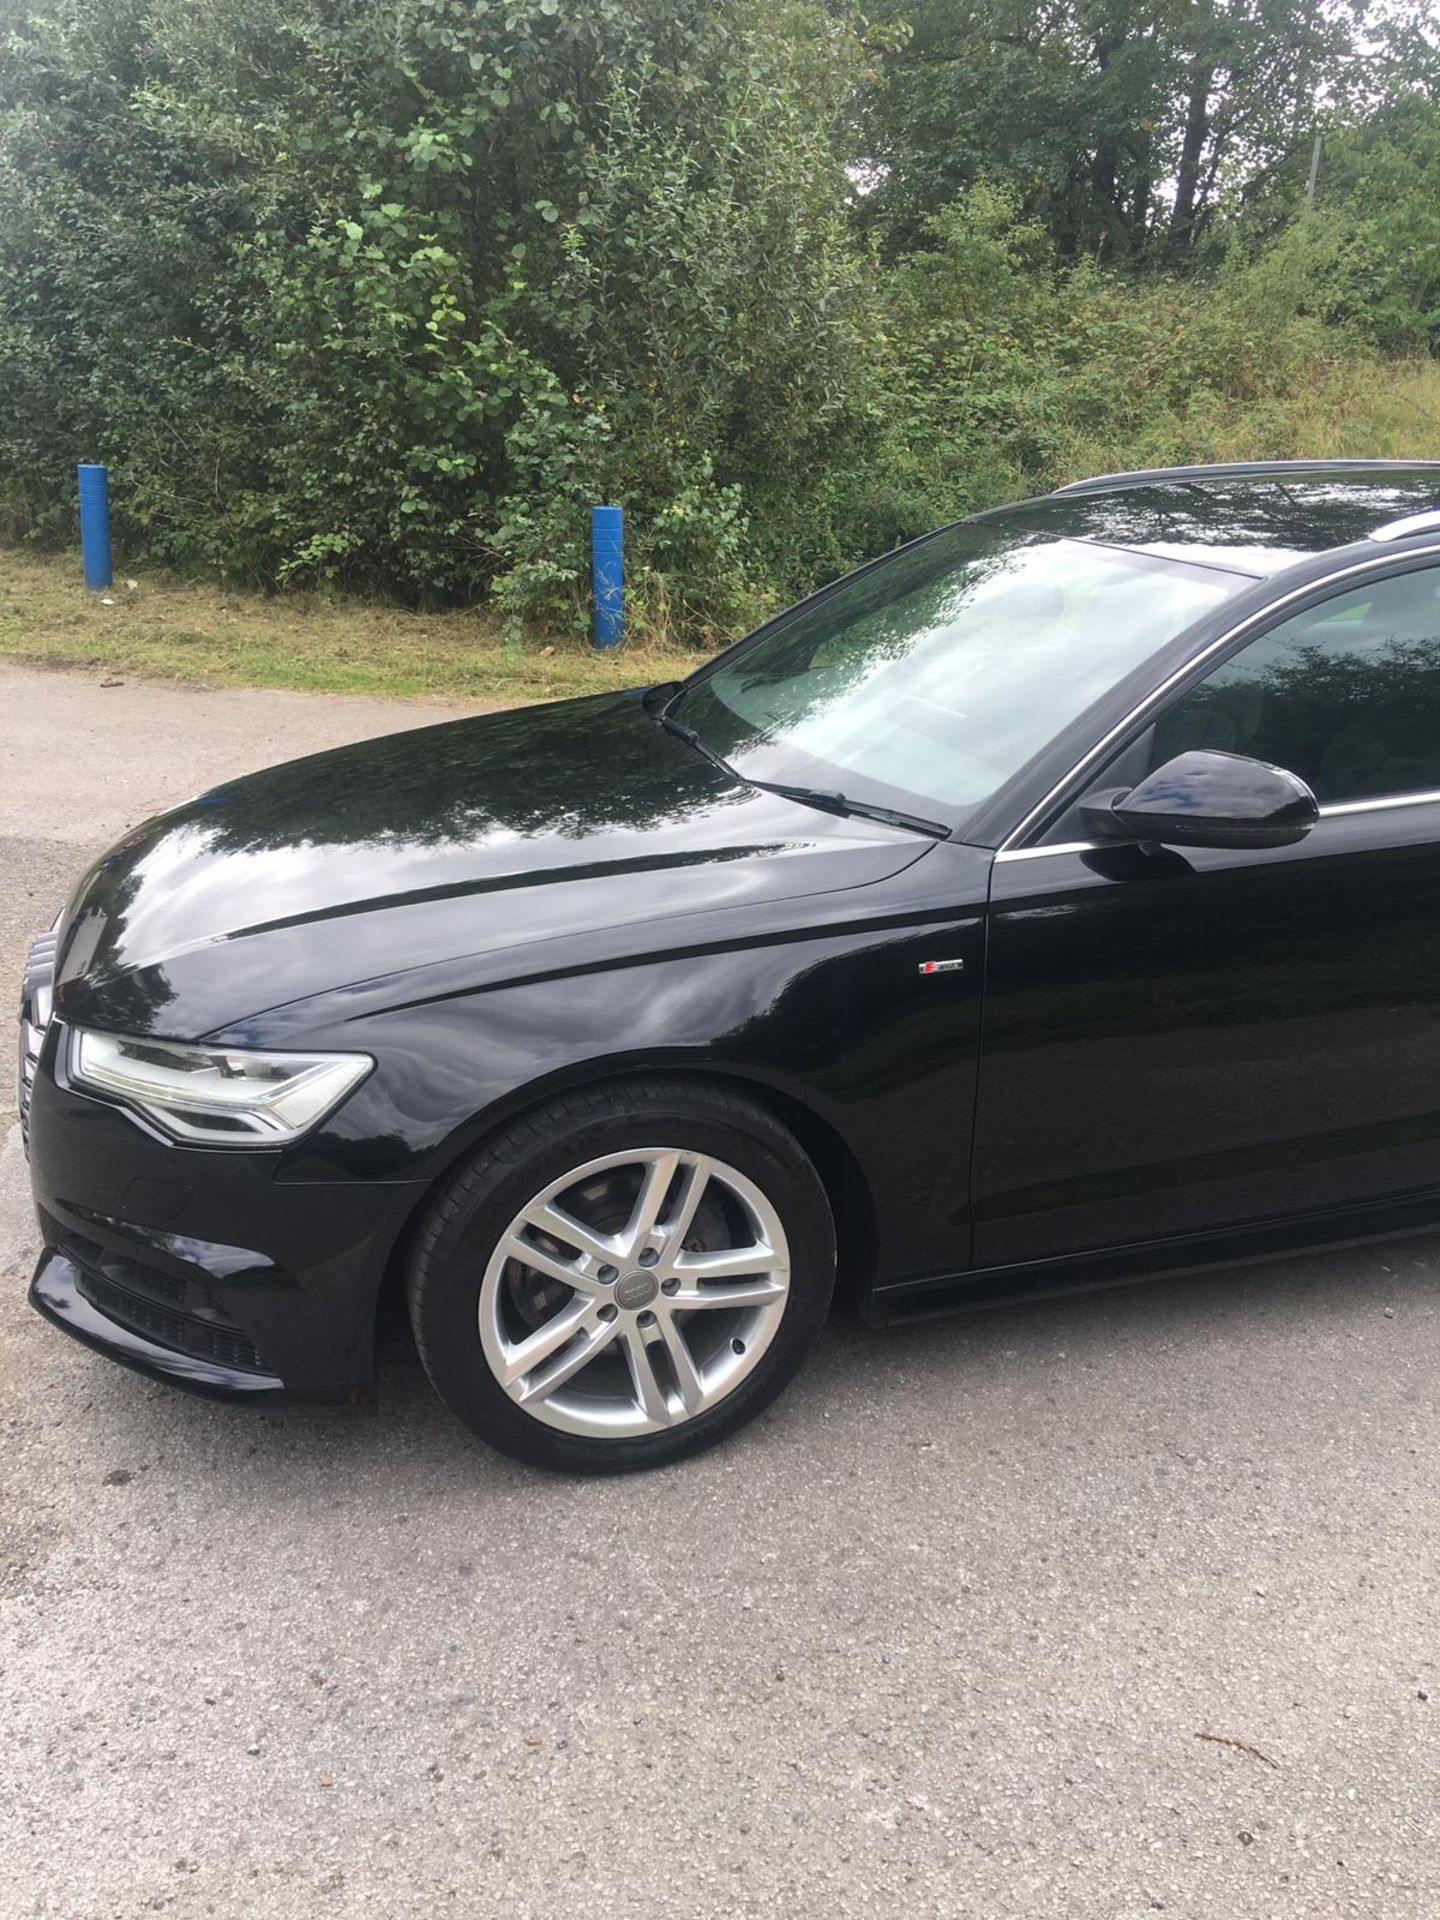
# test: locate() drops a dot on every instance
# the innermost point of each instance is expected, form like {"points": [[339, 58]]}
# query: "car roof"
{"points": [[1251, 517]]}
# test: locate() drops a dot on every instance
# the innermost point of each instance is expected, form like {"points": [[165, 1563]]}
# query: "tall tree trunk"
{"points": [[1104, 163], [1192, 149]]}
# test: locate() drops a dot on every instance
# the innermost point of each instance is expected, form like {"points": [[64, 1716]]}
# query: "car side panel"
{"points": [[1176, 1043], [838, 1017]]}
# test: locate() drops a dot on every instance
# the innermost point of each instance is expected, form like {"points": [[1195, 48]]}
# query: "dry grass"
{"points": [[1358, 407], [1350, 407], [169, 629]]}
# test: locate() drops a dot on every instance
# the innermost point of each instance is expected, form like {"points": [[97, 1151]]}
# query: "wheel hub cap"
{"points": [[636, 1290]]}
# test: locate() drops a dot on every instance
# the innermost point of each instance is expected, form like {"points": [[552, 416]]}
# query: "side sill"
{"points": [[1152, 1259]]}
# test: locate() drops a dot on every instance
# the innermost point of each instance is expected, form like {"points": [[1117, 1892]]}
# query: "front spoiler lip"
{"points": [[55, 1292]]}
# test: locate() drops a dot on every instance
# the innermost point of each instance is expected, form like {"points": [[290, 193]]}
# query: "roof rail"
{"points": [[1426, 522], [1243, 469]]}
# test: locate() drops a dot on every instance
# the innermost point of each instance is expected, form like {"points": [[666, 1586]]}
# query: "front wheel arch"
{"points": [[847, 1188]]}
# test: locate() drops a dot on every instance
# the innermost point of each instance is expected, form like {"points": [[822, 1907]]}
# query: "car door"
{"points": [[1179, 1042]]}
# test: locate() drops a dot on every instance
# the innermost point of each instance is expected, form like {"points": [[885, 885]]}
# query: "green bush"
{"points": [[1009, 372], [387, 296], [384, 294]]}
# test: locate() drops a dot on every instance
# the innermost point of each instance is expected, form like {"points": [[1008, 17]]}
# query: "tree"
{"points": [[1119, 122]]}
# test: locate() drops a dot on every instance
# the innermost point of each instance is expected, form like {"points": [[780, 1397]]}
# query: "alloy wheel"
{"points": [[634, 1293]]}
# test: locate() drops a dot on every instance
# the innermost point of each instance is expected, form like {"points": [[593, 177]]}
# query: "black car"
{"points": [[1053, 901]]}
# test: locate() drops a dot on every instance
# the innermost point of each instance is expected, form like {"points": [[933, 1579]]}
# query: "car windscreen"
{"points": [[938, 674]]}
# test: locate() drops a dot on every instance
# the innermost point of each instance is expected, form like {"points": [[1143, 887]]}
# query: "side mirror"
{"points": [[1204, 799]]}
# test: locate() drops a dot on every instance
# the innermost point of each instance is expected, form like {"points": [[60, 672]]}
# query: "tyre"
{"points": [[623, 1277]]}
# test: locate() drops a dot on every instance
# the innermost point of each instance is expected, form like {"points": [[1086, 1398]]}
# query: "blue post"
{"points": [[607, 572], [95, 524]]}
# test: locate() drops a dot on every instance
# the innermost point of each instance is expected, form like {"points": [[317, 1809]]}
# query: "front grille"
{"points": [[34, 1019], [128, 1275], [184, 1332], [151, 1302]]}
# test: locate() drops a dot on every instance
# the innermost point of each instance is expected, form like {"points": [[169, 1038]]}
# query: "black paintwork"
{"points": [[1185, 1054], [1238, 520], [1188, 1041], [452, 855], [1206, 799]]}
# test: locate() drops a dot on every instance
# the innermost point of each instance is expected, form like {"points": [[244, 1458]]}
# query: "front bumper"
{"points": [[63, 1291], [210, 1269]]}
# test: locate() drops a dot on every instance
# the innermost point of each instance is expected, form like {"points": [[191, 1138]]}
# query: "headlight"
{"points": [[217, 1096]]}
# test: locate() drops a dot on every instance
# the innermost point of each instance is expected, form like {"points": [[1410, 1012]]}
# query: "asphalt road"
{"points": [[1109, 1607]]}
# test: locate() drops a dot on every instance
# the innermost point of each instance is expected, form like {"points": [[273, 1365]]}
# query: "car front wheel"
{"points": [[624, 1276]]}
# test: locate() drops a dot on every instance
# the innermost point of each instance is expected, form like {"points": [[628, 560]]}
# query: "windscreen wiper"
{"points": [[822, 797], [663, 690], [692, 739], [833, 802]]}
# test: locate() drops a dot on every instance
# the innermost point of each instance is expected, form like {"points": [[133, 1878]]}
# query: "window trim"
{"points": [[1382, 564], [1326, 813], [1381, 805]]}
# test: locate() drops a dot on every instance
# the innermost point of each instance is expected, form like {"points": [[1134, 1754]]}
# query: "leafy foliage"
{"points": [[1119, 123], [383, 294], [388, 292]]}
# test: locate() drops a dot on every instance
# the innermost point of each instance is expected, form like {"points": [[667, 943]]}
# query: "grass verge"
{"points": [[156, 627], [1345, 407], [161, 627]]}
